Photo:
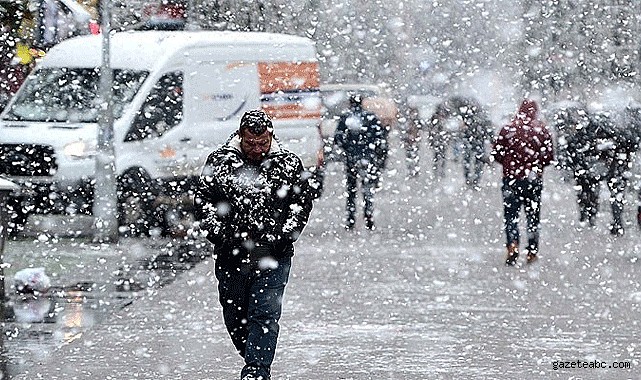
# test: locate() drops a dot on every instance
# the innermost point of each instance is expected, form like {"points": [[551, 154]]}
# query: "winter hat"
{"points": [[528, 109], [257, 122], [355, 99]]}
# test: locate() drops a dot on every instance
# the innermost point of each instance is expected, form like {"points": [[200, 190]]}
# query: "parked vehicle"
{"points": [[335, 99], [177, 95]]}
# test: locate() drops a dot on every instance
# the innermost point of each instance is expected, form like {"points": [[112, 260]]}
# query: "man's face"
{"points": [[255, 147]]}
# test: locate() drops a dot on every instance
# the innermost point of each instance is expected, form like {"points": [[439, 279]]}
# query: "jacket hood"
{"points": [[528, 110]]}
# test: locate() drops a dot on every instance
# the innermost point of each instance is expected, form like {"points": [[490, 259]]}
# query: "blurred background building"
{"points": [[558, 49]]}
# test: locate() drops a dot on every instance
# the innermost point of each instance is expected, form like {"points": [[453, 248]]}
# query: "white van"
{"points": [[177, 96]]}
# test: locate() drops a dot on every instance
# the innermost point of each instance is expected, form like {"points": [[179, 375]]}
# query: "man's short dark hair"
{"points": [[256, 122], [355, 100]]}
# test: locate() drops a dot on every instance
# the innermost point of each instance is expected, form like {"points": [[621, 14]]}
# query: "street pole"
{"points": [[105, 197], [191, 14]]}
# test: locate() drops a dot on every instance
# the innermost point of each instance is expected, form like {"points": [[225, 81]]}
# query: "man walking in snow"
{"points": [[254, 199], [524, 147], [361, 136]]}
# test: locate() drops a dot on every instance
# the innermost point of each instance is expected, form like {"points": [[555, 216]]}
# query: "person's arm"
{"points": [[212, 208], [547, 151], [299, 206], [499, 148], [339, 133]]}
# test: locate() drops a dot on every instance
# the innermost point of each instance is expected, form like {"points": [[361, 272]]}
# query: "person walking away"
{"points": [[411, 137], [361, 136], [476, 131], [578, 154], [439, 138], [524, 148], [253, 201]]}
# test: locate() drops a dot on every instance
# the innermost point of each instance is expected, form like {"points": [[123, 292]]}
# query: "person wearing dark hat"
{"points": [[524, 148], [361, 136], [253, 201]]}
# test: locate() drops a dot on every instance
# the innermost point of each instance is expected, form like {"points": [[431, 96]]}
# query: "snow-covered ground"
{"points": [[427, 294]]}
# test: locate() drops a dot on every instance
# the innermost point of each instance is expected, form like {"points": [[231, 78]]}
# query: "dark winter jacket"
{"points": [[524, 147], [599, 148], [240, 203], [362, 137]]}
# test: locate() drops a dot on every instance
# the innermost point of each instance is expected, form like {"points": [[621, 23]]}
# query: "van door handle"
{"points": [[185, 139]]}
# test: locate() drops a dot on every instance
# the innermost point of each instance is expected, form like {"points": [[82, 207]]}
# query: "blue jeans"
{"points": [[251, 299], [524, 193]]}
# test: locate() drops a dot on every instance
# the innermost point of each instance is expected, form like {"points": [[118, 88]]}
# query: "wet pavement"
{"points": [[89, 283], [424, 296]]}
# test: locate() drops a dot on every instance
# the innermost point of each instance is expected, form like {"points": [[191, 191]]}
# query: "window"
{"points": [[161, 111], [71, 95]]}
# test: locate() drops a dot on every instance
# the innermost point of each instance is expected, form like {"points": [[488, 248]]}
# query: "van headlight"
{"points": [[80, 149]]}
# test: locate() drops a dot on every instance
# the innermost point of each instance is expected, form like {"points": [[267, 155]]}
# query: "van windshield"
{"points": [[57, 94]]}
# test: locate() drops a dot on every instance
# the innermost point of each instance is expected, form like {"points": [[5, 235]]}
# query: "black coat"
{"points": [[599, 148], [240, 203], [362, 137]]}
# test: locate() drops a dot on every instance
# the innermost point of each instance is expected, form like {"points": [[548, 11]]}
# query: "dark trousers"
{"points": [[587, 197], [524, 193], [473, 163], [251, 297], [369, 177]]}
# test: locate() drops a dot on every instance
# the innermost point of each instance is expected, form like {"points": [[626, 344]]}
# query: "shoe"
{"points": [[512, 254], [531, 257], [251, 376], [252, 373], [369, 224], [616, 230]]}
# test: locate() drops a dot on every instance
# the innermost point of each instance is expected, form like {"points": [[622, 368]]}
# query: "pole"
{"points": [[105, 197]]}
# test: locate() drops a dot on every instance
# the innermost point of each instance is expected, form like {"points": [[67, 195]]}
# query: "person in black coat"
{"points": [[253, 201], [597, 149], [363, 140], [476, 131]]}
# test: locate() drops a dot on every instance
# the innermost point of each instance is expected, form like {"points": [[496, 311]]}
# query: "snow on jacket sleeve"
{"points": [[299, 203], [212, 205]]}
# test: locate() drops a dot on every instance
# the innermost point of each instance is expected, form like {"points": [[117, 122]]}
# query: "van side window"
{"points": [[161, 111]]}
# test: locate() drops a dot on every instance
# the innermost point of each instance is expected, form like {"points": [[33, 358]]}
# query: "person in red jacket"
{"points": [[524, 147]]}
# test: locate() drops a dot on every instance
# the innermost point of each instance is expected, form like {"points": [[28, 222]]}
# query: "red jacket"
{"points": [[524, 147]]}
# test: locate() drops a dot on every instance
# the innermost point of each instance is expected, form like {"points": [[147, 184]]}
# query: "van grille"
{"points": [[27, 160]]}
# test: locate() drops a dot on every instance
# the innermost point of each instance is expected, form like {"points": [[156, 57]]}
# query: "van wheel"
{"points": [[15, 216], [137, 209]]}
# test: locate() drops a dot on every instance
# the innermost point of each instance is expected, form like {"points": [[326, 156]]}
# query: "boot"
{"points": [[369, 223], [531, 257], [512, 254]]}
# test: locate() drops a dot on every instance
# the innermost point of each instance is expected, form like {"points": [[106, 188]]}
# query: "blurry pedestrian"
{"points": [[254, 199], [524, 148], [476, 132], [615, 148], [439, 138], [595, 148], [577, 153], [411, 137], [364, 140]]}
